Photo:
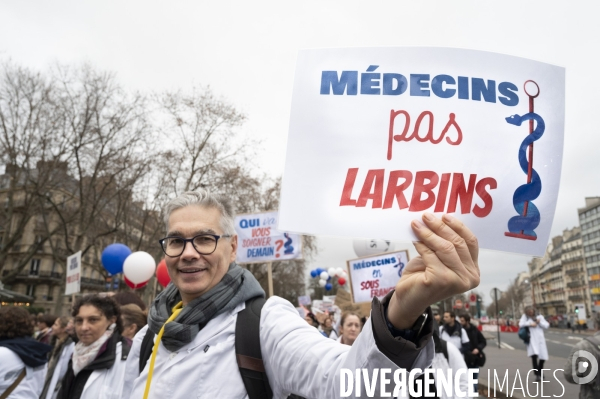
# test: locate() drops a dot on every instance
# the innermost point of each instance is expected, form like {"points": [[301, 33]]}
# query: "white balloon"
{"points": [[331, 271], [322, 282], [339, 271], [324, 276], [372, 247], [139, 267]]}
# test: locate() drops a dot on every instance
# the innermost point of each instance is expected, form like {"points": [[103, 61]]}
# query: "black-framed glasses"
{"points": [[204, 244]]}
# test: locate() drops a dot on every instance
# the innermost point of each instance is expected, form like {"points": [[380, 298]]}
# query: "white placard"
{"points": [[380, 135], [259, 240], [375, 276], [73, 274]]}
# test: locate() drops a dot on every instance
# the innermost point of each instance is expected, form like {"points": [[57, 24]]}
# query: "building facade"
{"points": [[589, 221]]}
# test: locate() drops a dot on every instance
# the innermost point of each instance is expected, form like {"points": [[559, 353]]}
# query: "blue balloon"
{"points": [[328, 286], [329, 278], [313, 273], [114, 256]]}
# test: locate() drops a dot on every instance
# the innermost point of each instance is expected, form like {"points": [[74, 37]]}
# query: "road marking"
{"points": [[507, 346], [572, 337]]}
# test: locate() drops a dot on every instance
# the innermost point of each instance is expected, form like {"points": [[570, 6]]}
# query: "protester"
{"points": [[326, 328], [60, 356], [591, 389], [474, 357], [453, 332], [448, 357], [127, 298], [311, 320], [97, 367], [196, 316], [134, 319], [536, 349], [44, 325], [23, 359], [350, 327], [437, 318]]}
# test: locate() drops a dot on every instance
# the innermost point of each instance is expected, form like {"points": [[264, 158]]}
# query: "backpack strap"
{"points": [[146, 349], [247, 350], [14, 384]]}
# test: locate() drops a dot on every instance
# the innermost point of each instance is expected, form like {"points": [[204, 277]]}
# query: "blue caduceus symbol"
{"points": [[289, 249], [523, 225]]}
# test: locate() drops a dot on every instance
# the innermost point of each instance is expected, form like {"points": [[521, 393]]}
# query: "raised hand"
{"points": [[446, 266]]}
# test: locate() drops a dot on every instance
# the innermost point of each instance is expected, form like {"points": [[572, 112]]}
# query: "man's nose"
{"points": [[189, 252]]}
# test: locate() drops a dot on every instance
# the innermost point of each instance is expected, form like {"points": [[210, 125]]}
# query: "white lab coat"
{"points": [[296, 356], [10, 367], [455, 341], [59, 371], [537, 343], [455, 362], [106, 383]]}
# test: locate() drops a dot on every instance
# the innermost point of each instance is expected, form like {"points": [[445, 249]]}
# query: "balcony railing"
{"points": [[39, 275], [575, 297], [574, 271]]}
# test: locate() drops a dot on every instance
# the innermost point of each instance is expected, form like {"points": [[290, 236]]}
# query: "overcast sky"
{"points": [[246, 52]]}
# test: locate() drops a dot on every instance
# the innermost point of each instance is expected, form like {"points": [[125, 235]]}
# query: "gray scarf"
{"points": [[237, 286]]}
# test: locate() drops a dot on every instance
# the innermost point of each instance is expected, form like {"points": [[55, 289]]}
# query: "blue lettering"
{"points": [[369, 82], [463, 88], [419, 84], [348, 81], [479, 88], [508, 90], [244, 224], [388, 84], [258, 252], [437, 86]]}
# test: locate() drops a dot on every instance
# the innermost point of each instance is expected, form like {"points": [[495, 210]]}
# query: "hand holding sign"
{"points": [[447, 266]]}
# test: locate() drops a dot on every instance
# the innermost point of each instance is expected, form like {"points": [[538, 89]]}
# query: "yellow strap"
{"points": [[176, 310]]}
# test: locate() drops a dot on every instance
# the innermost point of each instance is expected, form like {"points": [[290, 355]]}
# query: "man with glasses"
{"points": [[192, 322]]}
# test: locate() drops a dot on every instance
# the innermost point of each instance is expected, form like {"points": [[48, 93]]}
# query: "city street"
{"points": [[512, 356]]}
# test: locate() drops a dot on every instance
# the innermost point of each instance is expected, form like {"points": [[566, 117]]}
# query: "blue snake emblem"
{"points": [[529, 191], [288, 245]]}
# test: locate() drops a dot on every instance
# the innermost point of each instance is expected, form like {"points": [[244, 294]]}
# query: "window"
{"points": [[30, 290], [34, 267], [38, 240]]}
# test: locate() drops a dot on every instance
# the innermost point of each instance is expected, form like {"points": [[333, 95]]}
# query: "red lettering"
{"points": [[394, 190], [416, 203], [374, 180], [429, 189], [440, 205], [367, 285], [415, 133], [485, 196], [459, 190], [261, 232], [348, 186]]}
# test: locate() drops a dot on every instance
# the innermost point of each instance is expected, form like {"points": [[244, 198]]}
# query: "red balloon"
{"points": [[162, 275], [341, 281], [135, 286]]}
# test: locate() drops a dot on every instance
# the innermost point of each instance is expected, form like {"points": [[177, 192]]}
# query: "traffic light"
{"points": [[500, 312], [576, 309]]}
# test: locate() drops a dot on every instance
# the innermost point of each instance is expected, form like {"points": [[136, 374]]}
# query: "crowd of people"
{"points": [[81, 356], [211, 332]]}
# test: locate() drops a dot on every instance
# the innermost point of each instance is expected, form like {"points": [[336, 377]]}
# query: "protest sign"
{"points": [[259, 241], [378, 136], [375, 276], [304, 300], [73, 274]]}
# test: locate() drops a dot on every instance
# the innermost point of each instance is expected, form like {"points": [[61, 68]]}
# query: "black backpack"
{"points": [[247, 350]]}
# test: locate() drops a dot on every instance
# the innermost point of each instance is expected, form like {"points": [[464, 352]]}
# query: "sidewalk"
{"points": [[501, 360], [589, 331]]}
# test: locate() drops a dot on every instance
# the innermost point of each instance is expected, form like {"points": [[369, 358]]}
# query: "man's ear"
{"points": [[234, 244]]}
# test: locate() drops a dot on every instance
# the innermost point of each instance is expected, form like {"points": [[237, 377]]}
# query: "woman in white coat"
{"points": [[22, 358], [536, 349], [97, 367], [59, 357]]}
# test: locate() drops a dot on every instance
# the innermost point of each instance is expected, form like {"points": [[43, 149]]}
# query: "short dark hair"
{"points": [[451, 313], [15, 323], [106, 305], [131, 314], [127, 297], [47, 319], [465, 316]]}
